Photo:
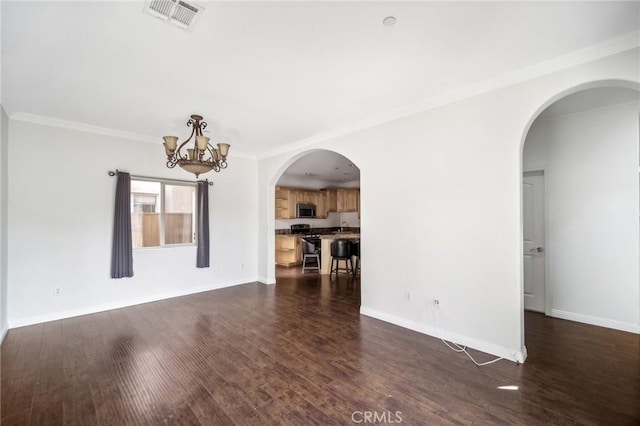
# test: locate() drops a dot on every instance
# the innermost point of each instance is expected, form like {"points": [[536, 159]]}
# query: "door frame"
{"points": [[548, 299]]}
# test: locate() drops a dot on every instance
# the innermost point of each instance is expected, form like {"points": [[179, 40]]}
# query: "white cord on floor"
{"points": [[458, 348]]}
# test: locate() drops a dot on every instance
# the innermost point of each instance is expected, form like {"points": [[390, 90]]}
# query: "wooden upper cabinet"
{"points": [[321, 205], [310, 197], [326, 200], [347, 199], [295, 197], [286, 200], [282, 203], [332, 200]]}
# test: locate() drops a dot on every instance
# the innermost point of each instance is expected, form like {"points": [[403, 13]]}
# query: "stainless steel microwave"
{"points": [[306, 210]]}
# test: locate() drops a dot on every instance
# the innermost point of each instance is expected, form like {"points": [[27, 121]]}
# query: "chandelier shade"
{"points": [[203, 157]]}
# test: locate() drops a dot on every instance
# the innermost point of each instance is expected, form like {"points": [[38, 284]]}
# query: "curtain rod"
{"points": [[112, 173]]}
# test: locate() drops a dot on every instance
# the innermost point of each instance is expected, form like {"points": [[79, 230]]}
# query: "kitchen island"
{"points": [[326, 241]]}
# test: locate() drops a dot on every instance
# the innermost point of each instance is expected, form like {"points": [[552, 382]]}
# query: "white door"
{"points": [[533, 240]]}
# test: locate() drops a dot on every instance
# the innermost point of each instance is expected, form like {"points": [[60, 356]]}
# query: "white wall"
{"points": [[590, 161], [61, 216], [4, 145], [460, 236], [4, 141]]}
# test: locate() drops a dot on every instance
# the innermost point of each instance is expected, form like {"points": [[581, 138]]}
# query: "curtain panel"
{"points": [[203, 225], [122, 250]]}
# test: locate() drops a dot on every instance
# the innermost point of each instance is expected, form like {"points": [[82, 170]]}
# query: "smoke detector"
{"points": [[176, 12]]}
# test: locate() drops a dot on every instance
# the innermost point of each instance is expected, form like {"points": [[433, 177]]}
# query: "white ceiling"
{"points": [[327, 166], [269, 74]]}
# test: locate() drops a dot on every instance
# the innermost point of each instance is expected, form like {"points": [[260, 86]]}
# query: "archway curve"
{"points": [[284, 166], [626, 84], [611, 83]]}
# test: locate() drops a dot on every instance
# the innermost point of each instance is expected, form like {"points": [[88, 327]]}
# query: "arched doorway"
{"points": [[316, 196], [580, 198]]}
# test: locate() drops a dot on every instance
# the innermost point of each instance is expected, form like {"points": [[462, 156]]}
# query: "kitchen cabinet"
{"points": [[286, 201], [288, 250], [331, 202], [321, 205], [340, 200], [309, 197], [348, 199]]}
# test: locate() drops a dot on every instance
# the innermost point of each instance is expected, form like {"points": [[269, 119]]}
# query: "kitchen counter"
{"points": [[326, 241], [338, 235]]}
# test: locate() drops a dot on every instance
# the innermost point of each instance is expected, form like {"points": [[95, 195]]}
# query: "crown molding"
{"points": [[81, 127], [592, 53], [73, 125]]}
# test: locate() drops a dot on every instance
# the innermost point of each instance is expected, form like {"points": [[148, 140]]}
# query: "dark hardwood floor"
{"points": [[300, 353]]}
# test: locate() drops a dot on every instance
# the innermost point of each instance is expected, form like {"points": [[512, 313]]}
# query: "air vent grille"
{"points": [[163, 7], [176, 12]]}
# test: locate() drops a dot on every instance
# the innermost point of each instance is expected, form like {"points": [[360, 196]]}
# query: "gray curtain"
{"points": [[203, 225], [122, 251]]}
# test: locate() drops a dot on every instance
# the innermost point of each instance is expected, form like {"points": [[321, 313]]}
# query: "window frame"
{"points": [[162, 207]]}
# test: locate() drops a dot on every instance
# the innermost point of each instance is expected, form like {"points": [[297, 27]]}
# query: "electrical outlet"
{"points": [[407, 295], [436, 301], [56, 291]]}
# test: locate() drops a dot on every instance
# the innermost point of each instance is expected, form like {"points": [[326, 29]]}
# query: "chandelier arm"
{"points": [[193, 131], [211, 155], [178, 154]]}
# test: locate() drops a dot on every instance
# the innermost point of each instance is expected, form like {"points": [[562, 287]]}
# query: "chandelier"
{"points": [[203, 157]]}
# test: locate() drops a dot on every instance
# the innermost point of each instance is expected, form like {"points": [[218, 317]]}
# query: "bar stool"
{"points": [[309, 250], [341, 250], [355, 252]]}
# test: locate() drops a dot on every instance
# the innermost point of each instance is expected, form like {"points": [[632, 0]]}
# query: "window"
{"points": [[162, 213]]}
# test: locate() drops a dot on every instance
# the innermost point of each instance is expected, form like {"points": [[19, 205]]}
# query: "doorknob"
{"points": [[537, 249]]}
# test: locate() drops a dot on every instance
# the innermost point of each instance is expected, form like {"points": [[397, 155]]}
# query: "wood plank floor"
{"points": [[299, 353]]}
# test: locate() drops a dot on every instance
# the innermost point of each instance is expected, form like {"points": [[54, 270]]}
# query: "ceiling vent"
{"points": [[177, 12]]}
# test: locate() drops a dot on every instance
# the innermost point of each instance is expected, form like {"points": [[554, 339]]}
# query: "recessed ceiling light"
{"points": [[389, 21], [308, 174]]}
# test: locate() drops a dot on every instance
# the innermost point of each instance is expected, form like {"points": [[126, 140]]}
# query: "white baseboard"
{"points": [[480, 345], [268, 281], [601, 322], [54, 316]]}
